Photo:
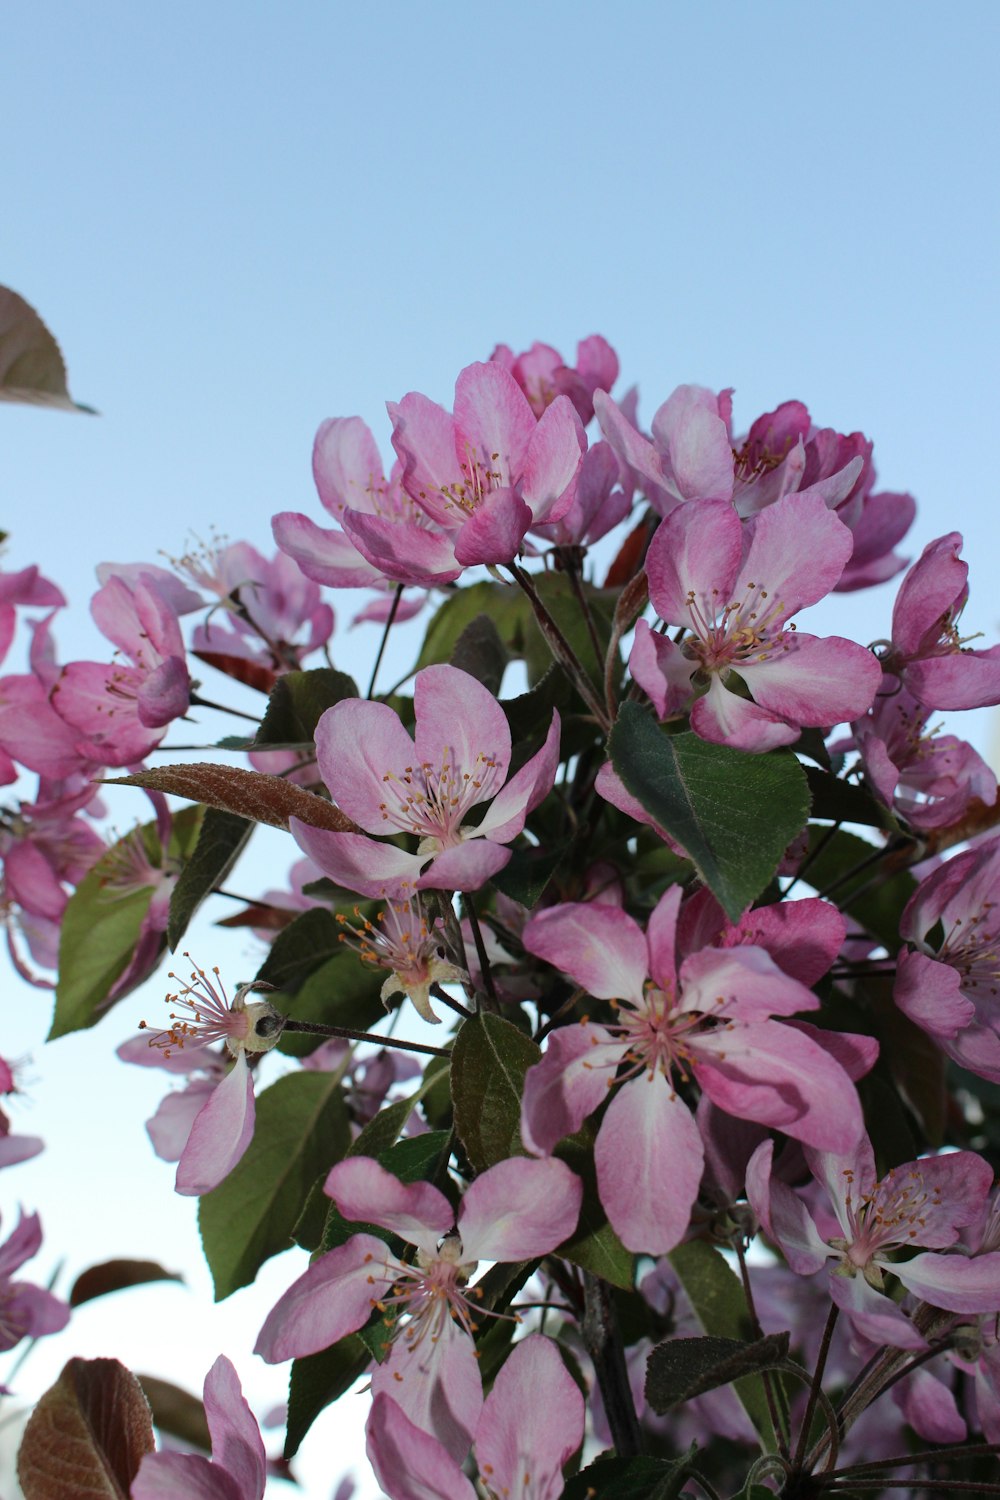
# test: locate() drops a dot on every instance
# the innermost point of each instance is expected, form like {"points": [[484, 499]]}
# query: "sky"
{"points": [[242, 218]]}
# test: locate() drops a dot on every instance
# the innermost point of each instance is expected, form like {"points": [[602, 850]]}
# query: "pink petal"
{"points": [[803, 937], [696, 550], [236, 1440], [661, 938], [553, 460], [493, 418], [423, 434], [359, 863], [411, 1464], [798, 552], [532, 1421], [688, 427], [662, 670], [505, 816], [367, 1194], [323, 555], [814, 682], [334, 1297], [462, 726], [464, 868], [402, 550], [360, 748], [220, 1134], [748, 978], [347, 466], [649, 1158], [567, 1085], [519, 1209], [601, 947], [930, 994], [183, 1476], [724, 719], [437, 1383]]}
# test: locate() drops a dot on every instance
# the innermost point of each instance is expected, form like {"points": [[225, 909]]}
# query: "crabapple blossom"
{"points": [[710, 1019], [734, 590], [403, 941], [223, 1128], [919, 1206], [25, 587], [952, 990], [542, 375], [26, 1310], [516, 1210], [926, 653], [389, 783], [123, 709]]}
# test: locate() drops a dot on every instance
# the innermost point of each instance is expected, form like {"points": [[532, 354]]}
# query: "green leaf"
{"points": [[639, 1478], [341, 992], [316, 1381], [296, 703], [222, 839], [100, 926], [301, 1130], [843, 802], [488, 1064], [734, 813], [846, 865], [719, 1303], [32, 369], [680, 1369], [480, 652], [504, 604], [527, 873], [300, 949]]}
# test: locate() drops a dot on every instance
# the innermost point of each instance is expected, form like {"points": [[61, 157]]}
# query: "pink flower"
{"points": [[734, 589], [385, 533], [223, 1127], [953, 991], [919, 1206], [491, 471], [237, 1469], [927, 653], [123, 709], [710, 1020], [531, 1423], [24, 587], [516, 1210], [426, 786], [269, 604], [402, 941], [542, 374], [26, 1310]]}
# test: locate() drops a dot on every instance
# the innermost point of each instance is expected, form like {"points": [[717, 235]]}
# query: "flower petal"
{"points": [[220, 1134], [519, 1209]]}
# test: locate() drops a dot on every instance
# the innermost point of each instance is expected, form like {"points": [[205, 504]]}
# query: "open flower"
{"points": [[920, 1206], [734, 590], [426, 786], [403, 941], [517, 1210], [223, 1127], [711, 1018]]}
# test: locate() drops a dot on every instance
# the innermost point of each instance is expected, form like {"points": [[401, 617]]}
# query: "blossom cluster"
{"points": [[687, 898]]}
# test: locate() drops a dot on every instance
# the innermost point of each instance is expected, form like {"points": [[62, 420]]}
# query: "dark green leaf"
{"points": [[843, 802], [341, 992], [316, 1381], [679, 1369], [639, 1478], [718, 1301], [526, 875], [480, 652], [864, 880], [734, 813], [504, 604], [488, 1064], [299, 950], [100, 926], [296, 703], [301, 1130], [222, 839]]}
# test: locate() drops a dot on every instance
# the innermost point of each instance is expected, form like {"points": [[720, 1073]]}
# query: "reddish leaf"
{"points": [[87, 1436], [252, 673], [270, 918], [251, 794], [31, 364], [631, 555], [113, 1276]]}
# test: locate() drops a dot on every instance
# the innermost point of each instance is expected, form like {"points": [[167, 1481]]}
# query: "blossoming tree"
{"points": [[696, 1187]]}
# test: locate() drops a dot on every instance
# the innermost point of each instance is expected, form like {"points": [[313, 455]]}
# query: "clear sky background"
{"points": [[241, 218]]}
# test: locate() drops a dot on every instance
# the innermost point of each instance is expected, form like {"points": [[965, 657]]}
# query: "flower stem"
{"points": [[316, 1028], [484, 963], [814, 1389], [603, 1339], [385, 638], [560, 647]]}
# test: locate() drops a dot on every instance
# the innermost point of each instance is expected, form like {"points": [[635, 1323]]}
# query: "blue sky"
{"points": [[241, 218]]}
